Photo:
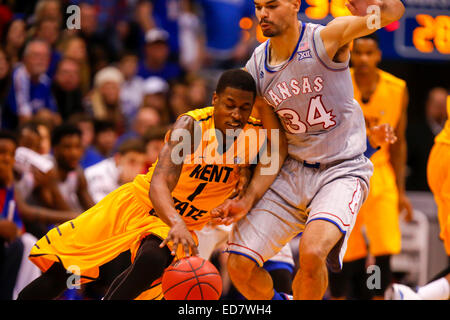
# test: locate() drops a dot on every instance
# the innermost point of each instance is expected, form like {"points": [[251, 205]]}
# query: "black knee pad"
{"points": [[151, 258]]}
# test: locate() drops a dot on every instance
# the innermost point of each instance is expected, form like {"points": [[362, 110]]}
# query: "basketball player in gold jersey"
{"points": [[383, 99], [438, 173], [155, 215]]}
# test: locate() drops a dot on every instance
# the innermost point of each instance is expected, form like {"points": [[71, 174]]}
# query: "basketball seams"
{"points": [[196, 278], [192, 269], [200, 273], [185, 280], [209, 284], [200, 288]]}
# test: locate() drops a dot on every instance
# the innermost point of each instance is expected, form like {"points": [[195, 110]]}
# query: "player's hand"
{"points": [[359, 7], [405, 204], [382, 134], [230, 211], [245, 175], [179, 234]]}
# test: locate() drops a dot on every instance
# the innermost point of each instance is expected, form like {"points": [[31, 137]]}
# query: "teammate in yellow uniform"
{"points": [[438, 172], [439, 178], [157, 212], [383, 99]]}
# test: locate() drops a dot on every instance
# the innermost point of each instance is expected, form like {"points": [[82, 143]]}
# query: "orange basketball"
{"points": [[191, 278]]}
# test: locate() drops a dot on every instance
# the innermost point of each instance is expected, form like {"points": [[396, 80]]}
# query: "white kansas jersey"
{"points": [[313, 96]]}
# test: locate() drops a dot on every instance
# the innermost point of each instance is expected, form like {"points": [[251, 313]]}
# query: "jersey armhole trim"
{"points": [[328, 63]]}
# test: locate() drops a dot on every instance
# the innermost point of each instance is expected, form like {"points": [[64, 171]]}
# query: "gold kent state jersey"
{"points": [[385, 106], [208, 176]]}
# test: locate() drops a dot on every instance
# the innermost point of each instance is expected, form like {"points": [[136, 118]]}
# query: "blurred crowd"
{"points": [[88, 90]]}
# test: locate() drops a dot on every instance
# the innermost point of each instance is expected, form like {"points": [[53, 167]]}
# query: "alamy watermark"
{"points": [[373, 281], [73, 281], [374, 20], [74, 20]]}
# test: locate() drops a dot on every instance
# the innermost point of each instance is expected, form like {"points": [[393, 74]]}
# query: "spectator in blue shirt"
{"points": [[49, 30], [225, 43], [156, 57], [166, 14], [30, 91], [103, 147]]}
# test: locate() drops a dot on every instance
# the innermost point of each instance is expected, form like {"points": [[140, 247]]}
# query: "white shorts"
{"points": [[301, 194], [212, 238]]}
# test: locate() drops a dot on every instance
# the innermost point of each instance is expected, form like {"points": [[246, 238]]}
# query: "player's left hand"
{"points": [[359, 7], [230, 211], [405, 204]]}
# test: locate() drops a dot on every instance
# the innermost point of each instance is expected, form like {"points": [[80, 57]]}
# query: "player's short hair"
{"points": [[8, 135], [131, 145], [62, 131], [372, 36], [237, 79]]}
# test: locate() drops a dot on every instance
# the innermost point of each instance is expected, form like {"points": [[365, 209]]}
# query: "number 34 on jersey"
{"points": [[316, 114]]}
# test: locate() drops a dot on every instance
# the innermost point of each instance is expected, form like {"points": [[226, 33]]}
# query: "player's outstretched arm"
{"points": [[368, 16], [164, 179]]}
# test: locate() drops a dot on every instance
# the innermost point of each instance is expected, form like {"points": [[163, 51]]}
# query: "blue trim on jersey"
{"points": [[370, 150], [329, 220], [293, 53], [243, 254], [276, 265]]}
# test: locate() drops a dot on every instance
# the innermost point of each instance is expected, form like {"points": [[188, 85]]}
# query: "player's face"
{"points": [[232, 108], [69, 152], [365, 55], [275, 16]]}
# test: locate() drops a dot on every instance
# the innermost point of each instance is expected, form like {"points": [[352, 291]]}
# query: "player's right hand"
{"points": [[230, 211], [381, 134], [179, 234]]}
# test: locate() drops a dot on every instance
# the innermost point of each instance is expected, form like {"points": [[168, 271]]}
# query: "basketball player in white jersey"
{"points": [[302, 74]]}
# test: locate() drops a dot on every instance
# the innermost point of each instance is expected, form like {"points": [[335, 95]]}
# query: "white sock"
{"points": [[436, 290]]}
